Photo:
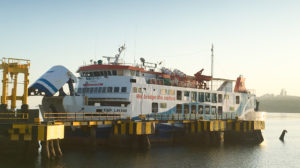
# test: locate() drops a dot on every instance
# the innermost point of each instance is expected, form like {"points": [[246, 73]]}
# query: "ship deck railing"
{"points": [[87, 116], [82, 116], [195, 116]]}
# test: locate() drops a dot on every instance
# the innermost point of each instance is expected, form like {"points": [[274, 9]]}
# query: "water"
{"points": [[271, 153]]}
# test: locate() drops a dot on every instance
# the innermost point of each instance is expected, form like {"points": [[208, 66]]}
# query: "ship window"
{"points": [[134, 89], [95, 89], [132, 80], [124, 89], [99, 89], [201, 97], [104, 90], [132, 72], [237, 99], [220, 110], [207, 97], [96, 73], [84, 90], [109, 73], [186, 109], [200, 109], [193, 109], [101, 73], [109, 89], [220, 98], [140, 90], [114, 72], [116, 89], [154, 107], [213, 110], [214, 98], [206, 109], [171, 92], [163, 105], [194, 96], [179, 95], [91, 90], [186, 95], [105, 73], [178, 108], [137, 73], [120, 72], [79, 90], [226, 96], [163, 91]]}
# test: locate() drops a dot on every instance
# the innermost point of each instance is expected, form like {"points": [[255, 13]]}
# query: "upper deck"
{"points": [[162, 77], [119, 78]]}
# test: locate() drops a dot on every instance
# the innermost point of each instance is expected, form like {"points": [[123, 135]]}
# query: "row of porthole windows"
{"points": [[103, 73], [203, 97], [201, 109], [94, 90], [193, 110], [167, 92], [155, 106], [138, 90], [106, 73]]}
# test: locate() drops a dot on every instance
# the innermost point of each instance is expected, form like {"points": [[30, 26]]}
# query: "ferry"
{"points": [[143, 91]]}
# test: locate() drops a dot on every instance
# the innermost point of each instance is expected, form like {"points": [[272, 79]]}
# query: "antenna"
{"points": [[134, 62], [134, 55], [95, 49], [212, 65], [117, 56]]}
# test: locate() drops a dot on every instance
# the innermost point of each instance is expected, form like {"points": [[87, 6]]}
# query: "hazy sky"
{"points": [[256, 38]]}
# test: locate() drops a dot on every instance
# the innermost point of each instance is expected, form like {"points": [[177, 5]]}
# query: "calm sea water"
{"points": [[271, 153]]}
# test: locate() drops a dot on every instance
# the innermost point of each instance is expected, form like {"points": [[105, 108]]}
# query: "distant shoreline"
{"points": [[279, 112], [279, 104]]}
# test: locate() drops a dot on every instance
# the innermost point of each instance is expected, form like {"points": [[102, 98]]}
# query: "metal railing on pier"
{"points": [[13, 116]]}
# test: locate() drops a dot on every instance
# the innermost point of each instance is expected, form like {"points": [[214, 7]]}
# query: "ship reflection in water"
{"points": [[270, 153]]}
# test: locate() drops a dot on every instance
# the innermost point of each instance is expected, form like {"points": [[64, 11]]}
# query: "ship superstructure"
{"points": [[144, 90]]}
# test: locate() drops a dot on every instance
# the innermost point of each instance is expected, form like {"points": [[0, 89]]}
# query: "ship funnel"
{"points": [[240, 85]]}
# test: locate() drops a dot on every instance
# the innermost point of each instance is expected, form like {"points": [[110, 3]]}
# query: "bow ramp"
{"points": [[52, 81]]}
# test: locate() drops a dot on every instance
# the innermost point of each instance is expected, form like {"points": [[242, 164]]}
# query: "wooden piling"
{"points": [[57, 147]]}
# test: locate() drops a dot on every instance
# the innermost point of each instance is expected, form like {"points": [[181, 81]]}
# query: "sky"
{"points": [[258, 39]]}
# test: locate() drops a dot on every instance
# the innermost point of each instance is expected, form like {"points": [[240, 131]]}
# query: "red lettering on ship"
{"points": [[138, 96], [169, 98], [151, 97], [160, 98]]}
